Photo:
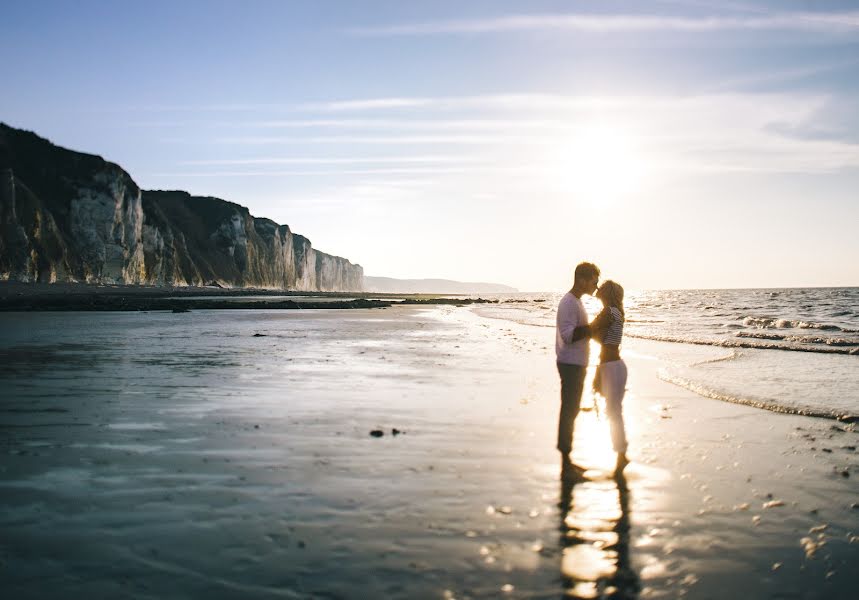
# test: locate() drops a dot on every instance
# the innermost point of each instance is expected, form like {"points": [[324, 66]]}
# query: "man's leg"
{"points": [[572, 384]]}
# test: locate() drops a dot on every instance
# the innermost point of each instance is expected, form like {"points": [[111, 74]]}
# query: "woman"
{"points": [[610, 378]]}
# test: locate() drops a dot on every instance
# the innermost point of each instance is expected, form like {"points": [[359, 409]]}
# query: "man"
{"points": [[572, 347]]}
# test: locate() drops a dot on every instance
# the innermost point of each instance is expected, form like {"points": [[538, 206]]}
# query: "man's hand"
{"points": [[580, 333]]}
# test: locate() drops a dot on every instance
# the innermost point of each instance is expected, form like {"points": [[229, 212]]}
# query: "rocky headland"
{"points": [[71, 217]]}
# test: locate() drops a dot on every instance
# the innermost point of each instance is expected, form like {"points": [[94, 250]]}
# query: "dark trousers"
{"points": [[572, 383]]}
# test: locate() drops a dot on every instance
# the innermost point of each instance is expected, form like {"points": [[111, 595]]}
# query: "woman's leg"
{"points": [[613, 388]]}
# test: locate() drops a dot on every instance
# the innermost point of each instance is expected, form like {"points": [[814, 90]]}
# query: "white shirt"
{"points": [[571, 314]]}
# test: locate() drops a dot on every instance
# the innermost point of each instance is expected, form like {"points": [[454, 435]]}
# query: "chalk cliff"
{"points": [[74, 217]]}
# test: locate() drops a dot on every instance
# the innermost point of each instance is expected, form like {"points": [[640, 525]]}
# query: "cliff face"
{"points": [[68, 216]]}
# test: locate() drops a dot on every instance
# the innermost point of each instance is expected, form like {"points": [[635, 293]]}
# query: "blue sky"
{"points": [[676, 143]]}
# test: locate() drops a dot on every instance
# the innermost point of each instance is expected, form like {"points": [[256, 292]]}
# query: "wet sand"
{"points": [[229, 453]]}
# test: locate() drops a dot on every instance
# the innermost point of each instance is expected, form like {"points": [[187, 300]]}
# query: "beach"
{"points": [[401, 452]]}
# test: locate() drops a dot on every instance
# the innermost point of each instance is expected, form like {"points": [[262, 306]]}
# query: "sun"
{"points": [[599, 163]]}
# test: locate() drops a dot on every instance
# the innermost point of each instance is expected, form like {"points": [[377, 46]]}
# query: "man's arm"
{"points": [[570, 327]]}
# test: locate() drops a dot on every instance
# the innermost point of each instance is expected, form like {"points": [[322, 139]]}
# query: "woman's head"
{"points": [[611, 294]]}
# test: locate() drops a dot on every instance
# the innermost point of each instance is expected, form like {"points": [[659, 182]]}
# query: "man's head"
{"points": [[586, 277]]}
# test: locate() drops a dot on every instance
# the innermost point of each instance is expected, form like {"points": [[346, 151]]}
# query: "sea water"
{"points": [[788, 350]]}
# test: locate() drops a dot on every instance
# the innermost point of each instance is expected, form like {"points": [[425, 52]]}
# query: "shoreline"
{"points": [[259, 449]]}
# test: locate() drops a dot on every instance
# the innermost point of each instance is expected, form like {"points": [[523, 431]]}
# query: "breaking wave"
{"points": [[734, 343], [772, 323], [770, 405], [798, 339]]}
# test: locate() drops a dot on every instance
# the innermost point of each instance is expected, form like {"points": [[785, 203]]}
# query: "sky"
{"points": [[676, 143]]}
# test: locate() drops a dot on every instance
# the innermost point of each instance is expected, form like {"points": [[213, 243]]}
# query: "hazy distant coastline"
{"points": [[391, 285]]}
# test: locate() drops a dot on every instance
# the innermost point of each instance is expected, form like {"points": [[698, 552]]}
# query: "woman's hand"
{"points": [[600, 323]]}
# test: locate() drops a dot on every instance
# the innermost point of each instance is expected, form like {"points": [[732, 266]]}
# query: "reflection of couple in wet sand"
{"points": [[572, 346], [595, 540]]}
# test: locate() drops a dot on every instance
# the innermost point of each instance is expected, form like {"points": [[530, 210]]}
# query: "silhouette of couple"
{"points": [[572, 347]]}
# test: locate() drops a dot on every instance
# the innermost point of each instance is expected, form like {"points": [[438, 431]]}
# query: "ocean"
{"points": [[793, 350]]}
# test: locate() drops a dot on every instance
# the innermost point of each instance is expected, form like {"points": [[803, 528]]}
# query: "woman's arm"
{"points": [[595, 328]]}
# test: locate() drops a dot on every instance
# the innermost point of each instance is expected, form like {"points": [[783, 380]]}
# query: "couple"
{"points": [[572, 346]]}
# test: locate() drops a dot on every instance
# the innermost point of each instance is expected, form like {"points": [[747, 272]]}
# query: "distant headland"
{"points": [[390, 285]]}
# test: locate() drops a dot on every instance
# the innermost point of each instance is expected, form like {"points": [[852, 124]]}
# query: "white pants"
{"points": [[613, 387]]}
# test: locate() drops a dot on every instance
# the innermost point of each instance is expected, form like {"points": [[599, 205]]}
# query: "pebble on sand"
{"points": [[810, 546], [377, 433]]}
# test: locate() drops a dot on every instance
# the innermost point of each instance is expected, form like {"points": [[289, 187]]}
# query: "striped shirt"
{"points": [[614, 332]]}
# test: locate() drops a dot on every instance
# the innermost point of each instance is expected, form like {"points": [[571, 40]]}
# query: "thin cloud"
{"points": [[542, 103], [416, 124], [513, 101], [839, 22], [782, 76], [675, 135], [238, 107], [328, 161], [374, 140], [377, 103], [721, 6], [327, 173]]}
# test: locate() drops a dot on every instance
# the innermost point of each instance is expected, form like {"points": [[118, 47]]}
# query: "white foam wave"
{"points": [[730, 356], [798, 339], [772, 323], [765, 404], [734, 343]]}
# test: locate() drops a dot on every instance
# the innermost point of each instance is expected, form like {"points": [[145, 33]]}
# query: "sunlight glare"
{"points": [[600, 163]]}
